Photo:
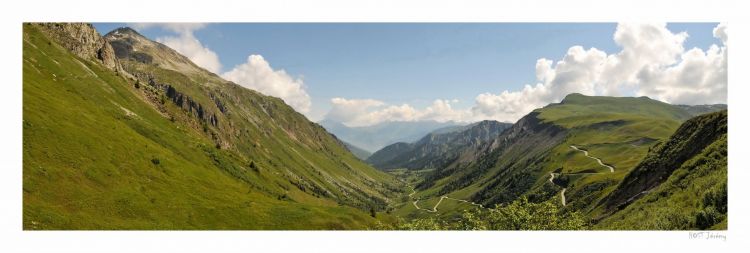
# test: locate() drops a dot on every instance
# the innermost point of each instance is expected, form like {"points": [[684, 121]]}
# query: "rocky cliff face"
{"points": [[84, 41], [255, 126], [437, 150]]}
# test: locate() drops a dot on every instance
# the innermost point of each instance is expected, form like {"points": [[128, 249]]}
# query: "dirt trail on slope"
{"points": [[552, 175], [434, 208], [551, 180], [586, 153]]}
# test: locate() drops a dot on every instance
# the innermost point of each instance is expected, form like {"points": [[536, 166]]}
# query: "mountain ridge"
{"points": [[436, 149], [173, 146]]}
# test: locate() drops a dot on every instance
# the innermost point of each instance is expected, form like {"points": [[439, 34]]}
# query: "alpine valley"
{"points": [[122, 132]]}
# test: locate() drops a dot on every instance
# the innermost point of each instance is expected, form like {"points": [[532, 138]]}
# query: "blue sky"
{"points": [[411, 63]]}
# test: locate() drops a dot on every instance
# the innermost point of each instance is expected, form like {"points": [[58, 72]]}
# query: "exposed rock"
{"points": [[83, 40], [437, 149], [187, 103]]}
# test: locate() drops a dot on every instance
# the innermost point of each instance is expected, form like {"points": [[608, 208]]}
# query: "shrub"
{"points": [[518, 215], [707, 217], [717, 198], [155, 161]]}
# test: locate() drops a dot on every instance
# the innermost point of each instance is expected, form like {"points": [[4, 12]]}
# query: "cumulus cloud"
{"points": [[255, 74], [185, 43], [720, 31], [652, 62], [366, 112], [258, 75]]}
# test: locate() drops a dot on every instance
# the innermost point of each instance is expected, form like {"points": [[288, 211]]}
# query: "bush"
{"points": [[707, 218], [717, 198], [518, 215], [155, 161]]}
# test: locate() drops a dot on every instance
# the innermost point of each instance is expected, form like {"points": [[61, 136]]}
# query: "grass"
{"points": [[683, 198], [620, 131], [608, 128], [98, 154]]}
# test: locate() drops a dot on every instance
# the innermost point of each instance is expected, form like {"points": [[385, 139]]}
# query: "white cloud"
{"points": [[720, 31], [258, 75], [352, 111], [653, 62], [255, 74], [185, 43], [366, 112]]}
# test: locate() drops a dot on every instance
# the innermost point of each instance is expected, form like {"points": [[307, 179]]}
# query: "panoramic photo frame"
{"points": [[377, 129]]}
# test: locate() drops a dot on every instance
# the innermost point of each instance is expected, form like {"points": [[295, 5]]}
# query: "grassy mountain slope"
{"points": [[681, 184], [617, 130], [176, 147]]}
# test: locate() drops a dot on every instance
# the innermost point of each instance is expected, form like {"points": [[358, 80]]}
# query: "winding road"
{"points": [[434, 208], [552, 175], [586, 153]]}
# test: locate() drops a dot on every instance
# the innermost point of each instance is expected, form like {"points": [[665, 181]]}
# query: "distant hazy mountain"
{"points": [[375, 137], [357, 151], [438, 148], [696, 110]]}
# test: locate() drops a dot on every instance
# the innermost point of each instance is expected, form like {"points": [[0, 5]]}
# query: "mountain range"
{"points": [[437, 149], [589, 155], [122, 132], [372, 138]]}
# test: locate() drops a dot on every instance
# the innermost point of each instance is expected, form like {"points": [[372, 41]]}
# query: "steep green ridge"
{"points": [[617, 130], [681, 184], [168, 145], [436, 149]]}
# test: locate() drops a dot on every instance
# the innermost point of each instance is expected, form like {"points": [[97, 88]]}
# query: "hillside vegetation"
{"points": [[121, 132], [535, 157], [681, 184], [152, 141]]}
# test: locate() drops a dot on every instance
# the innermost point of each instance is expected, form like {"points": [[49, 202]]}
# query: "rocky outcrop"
{"points": [[83, 40], [437, 149], [505, 165], [187, 103], [517, 153]]}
